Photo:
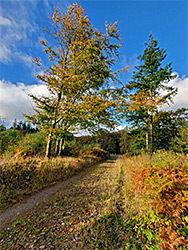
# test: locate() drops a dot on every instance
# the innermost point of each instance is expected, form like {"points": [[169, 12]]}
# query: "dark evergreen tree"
{"points": [[132, 141], [146, 86], [167, 126], [180, 142]]}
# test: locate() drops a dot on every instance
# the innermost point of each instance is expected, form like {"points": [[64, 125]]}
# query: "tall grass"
{"points": [[21, 176]]}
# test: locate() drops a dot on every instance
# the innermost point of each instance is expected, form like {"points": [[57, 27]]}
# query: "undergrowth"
{"points": [[157, 201]]}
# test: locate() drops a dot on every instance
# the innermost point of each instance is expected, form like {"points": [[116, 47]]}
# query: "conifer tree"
{"points": [[147, 86]]}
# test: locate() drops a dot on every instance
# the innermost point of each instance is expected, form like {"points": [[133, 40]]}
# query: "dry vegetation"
{"points": [[22, 176], [157, 196], [122, 203]]}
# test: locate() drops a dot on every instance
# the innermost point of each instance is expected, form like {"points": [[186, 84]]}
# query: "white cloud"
{"points": [[21, 23], [130, 61], [26, 59], [5, 53], [5, 21], [181, 99], [16, 31], [14, 99]]}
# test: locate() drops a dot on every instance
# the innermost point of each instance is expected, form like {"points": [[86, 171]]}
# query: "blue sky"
{"points": [[21, 22]]}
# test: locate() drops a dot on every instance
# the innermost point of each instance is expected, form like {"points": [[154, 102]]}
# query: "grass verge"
{"points": [[21, 177]]}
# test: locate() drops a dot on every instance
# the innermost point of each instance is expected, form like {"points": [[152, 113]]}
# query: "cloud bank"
{"points": [[181, 99], [14, 100]]}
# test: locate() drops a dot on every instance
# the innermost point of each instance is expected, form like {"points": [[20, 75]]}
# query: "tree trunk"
{"points": [[151, 134], [57, 147], [60, 147], [48, 146], [147, 144]]}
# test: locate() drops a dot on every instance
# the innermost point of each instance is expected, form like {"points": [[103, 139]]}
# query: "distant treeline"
{"points": [[170, 130], [22, 126]]}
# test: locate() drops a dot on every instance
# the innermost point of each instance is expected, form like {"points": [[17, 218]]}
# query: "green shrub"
{"points": [[180, 142], [79, 148], [133, 141], [31, 144], [8, 139]]}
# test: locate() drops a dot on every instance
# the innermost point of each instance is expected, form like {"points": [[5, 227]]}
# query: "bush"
{"points": [[8, 139], [79, 148], [95, 151], [109, 142], [133, 141], [180, 142], [31, 144]]}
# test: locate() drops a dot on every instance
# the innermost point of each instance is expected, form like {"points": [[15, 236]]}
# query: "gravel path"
{"points": [[35, 199]]}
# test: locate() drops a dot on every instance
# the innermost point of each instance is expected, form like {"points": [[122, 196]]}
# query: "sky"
{"points": [[20, 32]]}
